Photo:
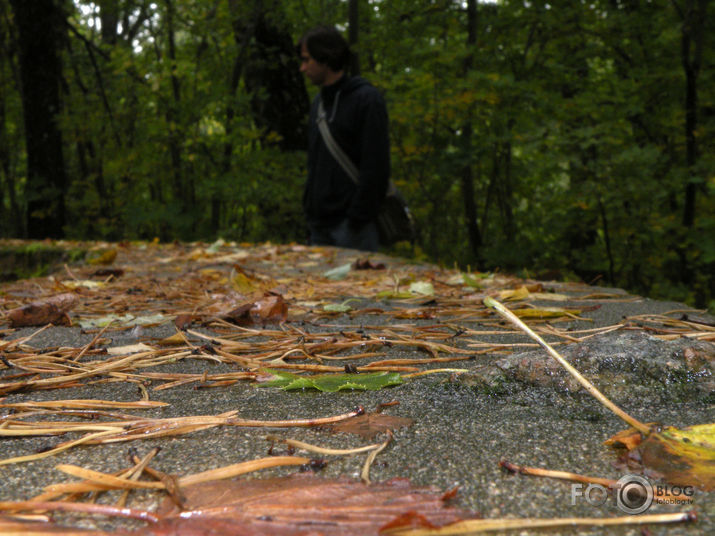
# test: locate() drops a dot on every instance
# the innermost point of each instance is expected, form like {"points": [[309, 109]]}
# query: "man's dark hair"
{"points": [[326, 45]]}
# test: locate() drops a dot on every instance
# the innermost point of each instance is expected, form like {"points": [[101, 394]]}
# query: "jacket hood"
{"points": [[347, 84]]}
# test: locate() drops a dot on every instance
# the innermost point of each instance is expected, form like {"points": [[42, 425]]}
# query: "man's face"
{"points": [[315, 71]]}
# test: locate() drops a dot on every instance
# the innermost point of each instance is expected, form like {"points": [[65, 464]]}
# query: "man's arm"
{"points": [[374, 160]]}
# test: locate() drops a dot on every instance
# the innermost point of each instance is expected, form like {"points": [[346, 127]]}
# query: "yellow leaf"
{"points": [[545, 312], [242, 282], [685, 457], [103, 257], [520, 293]]}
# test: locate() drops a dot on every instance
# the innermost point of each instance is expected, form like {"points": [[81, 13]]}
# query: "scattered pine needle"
{"points": [[487, 525]]}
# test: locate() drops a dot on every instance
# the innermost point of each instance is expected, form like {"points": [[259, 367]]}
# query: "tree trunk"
{"points": [[40, 28], [353, 35], [691, 56], [12, 224], [467, 179], [271, 73], [182, 186]]}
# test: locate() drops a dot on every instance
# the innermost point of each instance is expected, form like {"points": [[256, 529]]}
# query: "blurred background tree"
{"points": [[559, 141]]}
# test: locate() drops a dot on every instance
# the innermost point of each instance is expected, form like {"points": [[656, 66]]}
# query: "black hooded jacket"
{"points": [[357, 118]]}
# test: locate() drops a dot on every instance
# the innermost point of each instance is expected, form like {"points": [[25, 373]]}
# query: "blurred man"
{"points": [[341, 210]]}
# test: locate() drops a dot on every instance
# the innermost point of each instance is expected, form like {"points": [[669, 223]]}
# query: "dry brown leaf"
{"points": [[50, 311], [371, 424], [272, 307], [300, 505]]}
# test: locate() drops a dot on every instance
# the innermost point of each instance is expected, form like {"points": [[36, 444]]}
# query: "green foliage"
{"points": [[570, 121]]}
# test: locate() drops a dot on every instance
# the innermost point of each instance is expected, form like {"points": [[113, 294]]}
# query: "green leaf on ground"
{"points": [[339, 307], [341, 272], [371, 381]]}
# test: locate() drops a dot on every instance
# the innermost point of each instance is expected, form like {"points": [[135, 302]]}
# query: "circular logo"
{"points": [[634, 494]]}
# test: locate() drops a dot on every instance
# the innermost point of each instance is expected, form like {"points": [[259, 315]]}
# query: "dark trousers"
{"points": [[345, 235]]}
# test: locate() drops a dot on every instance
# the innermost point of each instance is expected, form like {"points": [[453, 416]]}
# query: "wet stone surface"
{"points": [[624, 364], [508, 401]]}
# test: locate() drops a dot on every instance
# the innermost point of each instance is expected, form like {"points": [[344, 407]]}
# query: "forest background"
{"points": [[563, 139]]}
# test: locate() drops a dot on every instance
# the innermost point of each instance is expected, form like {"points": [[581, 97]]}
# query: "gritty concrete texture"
{"points": [[463, 424]]}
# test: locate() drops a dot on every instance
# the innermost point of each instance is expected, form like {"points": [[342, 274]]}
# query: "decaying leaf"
{"points": [[367, 264], [372, 424], [272, 307], [329, 382], [684, 457], [629, 438], [241, 281], [300, 505], [50, 311]]}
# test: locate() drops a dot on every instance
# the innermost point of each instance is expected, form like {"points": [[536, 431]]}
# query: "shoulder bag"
{"points": [[394, 222]]}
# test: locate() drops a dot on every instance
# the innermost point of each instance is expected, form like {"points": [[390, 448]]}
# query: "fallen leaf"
{"points": [[422, 287], [129, 349], [545, 312], [300, 505], [241, 281], [371, 424], [271, 307], [548, 296], [628, 439], [339, 307], [329, 382], [341, 272], [684, 457], [50, 311], [103, 257], [216, 246], [177, 339], [470, 281], [122, 320], [367, 264], [520, 293], [82, 284], [184, 321]]}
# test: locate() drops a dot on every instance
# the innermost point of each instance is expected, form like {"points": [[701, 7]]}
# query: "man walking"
{"points": [[341, 210]]}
